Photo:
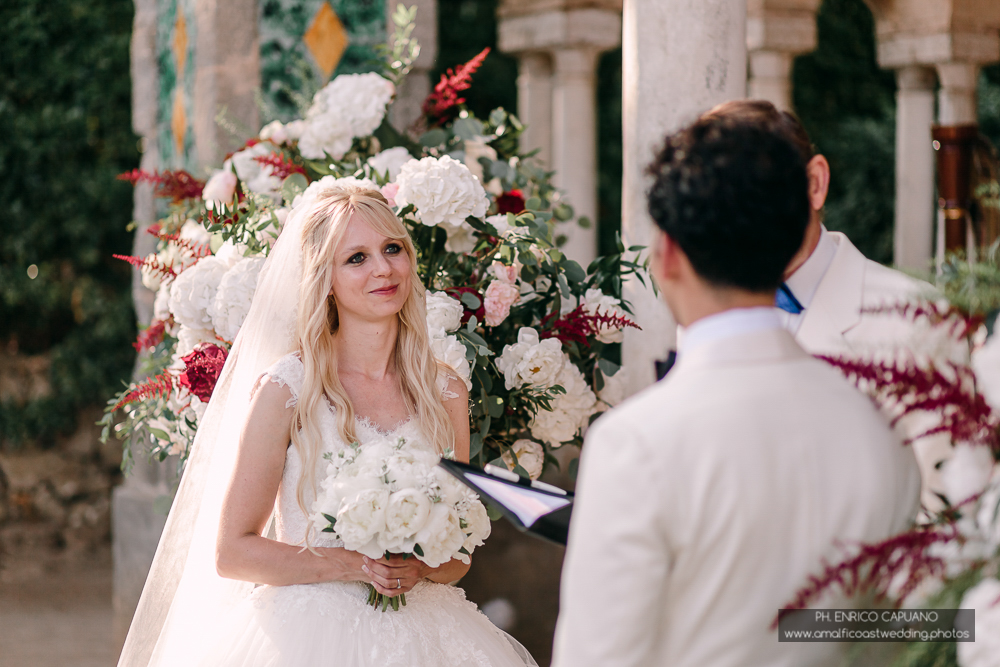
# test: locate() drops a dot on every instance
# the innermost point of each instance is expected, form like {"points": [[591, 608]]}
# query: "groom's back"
{"points": [[729, 482]]}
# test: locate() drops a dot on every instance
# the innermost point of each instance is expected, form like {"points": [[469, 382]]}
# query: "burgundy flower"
{"points": [[510, 202], [201, 370]]}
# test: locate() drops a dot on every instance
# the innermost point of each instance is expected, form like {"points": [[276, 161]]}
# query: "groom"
{"points": [[705, 502]]}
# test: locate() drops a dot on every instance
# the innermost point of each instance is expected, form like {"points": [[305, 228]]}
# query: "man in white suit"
{"points": [[705, 502]]}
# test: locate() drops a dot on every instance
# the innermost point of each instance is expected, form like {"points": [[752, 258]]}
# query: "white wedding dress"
{"points": [[331, 624]]}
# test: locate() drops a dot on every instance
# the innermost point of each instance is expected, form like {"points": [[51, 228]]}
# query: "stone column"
{"points": [[957, 95], [914, 226], [770, 78], [418, 85], [534, 103], [777, 31], [679, 59], [574, 146]]}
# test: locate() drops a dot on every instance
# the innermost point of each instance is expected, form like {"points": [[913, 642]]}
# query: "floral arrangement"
{"points": [[952, 558], [392, 498], [531, 332]]}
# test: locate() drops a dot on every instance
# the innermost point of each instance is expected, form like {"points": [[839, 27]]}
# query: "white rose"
{"points": [[451, 351], [188, 339], [257, 177], [405, 514], [441, 537], [570, 411], [193, 292], [530, 456], [221, 188], [390, 161], [443, 312], [352, 105], [967, 472], [499, 222], [274, 132], [475, 149], [531, 361], [360, 519], [477, 527], [327, 183], [232, 299], [443, 190], [596, 302], [985, 651]]}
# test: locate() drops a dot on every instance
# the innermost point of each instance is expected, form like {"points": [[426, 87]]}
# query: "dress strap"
{"points": [[288, 372]]}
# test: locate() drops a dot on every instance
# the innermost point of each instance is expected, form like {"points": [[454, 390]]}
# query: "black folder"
{"points": [[533, 510]]}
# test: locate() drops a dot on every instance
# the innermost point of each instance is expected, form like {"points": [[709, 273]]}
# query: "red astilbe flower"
{"points": [[510, 202], [151, 336], [445, 97], [201, 370], [958, 324], [901, 387], [281, 165], [194, 249], [175, 185], [876, 566], [579, 324], [152, 263], [161, 385]]}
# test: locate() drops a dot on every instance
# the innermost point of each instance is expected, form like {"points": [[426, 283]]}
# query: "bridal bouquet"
{"points": [[533, 334], [392, 498]]}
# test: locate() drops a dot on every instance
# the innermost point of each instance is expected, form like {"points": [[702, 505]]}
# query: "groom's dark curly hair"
{"points": [[734, 198]]}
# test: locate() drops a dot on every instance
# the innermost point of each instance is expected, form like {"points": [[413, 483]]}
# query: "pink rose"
{"points": [[500, 296], [389, 191], [504, 273]]}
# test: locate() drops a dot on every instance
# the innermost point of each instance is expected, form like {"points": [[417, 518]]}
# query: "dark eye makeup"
{"points": [[391, 249]]}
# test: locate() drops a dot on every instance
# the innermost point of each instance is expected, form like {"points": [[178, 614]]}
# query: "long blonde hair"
{"points": [[318, 324]]}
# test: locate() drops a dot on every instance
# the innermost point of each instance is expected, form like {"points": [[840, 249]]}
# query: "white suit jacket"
{"points": [[706, 501], [834, 324]]}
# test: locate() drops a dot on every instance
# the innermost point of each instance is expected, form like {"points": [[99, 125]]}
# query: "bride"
{"points": [[333, 351]]}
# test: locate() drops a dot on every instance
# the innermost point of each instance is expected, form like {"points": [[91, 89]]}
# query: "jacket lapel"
{"points": [[836, 306]]}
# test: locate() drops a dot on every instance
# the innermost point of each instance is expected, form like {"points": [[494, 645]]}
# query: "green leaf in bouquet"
{"points": [[607, 366], [468, 128], [556, 255], [574, 468], [471, 325], [563, 212], [417, 550], [475, 445], [518, 470], [564, 286], [492, 511], [485, 381], [433, 138], [533, 204], [495, 404], [498, 116], [484, 428], [574, 272], [472, 301]]}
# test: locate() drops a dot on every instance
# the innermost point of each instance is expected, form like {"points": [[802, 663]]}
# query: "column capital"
{"points": [[575, 62], [599, 29], [915, 77]]}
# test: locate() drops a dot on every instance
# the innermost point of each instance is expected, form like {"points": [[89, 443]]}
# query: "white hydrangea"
{"points": [[256, 177], [570, 411], [161, 304], [220, 188], [390, 161], [985, 651], [443, 312], [530, 456], [230, 253], [232, 299], [461, 239], [352, 105], [274, 132], [443, 190], [327, 183], [450, 350], [597, 302], [188, 339], [193, 292], [531, 361]]}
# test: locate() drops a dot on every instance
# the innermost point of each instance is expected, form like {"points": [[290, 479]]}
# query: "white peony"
{"points": [[352, 105], [443, 312], [967, 472], [232, 299], [327, 183], [984, 597], [390, 161], [441, 537], [570, 411], [451, 351], [477, 527], [360, 519], [256, 177], [597, 302], [220, 188], [443, 190], [530, 456], [193, 292], [406, 513], [531, 361], [475, 149]]}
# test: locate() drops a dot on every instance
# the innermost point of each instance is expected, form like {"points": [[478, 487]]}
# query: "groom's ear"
{"points": [[667, 258]]}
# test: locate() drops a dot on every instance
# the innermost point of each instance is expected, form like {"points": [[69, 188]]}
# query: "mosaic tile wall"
{"points": [[175, 40]]}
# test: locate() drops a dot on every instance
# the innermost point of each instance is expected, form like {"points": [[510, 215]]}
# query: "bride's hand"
{"points": [[396, 576]]}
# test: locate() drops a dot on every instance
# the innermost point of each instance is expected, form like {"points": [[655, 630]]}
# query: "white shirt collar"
{"points": [[726, 324], [805, 281]]}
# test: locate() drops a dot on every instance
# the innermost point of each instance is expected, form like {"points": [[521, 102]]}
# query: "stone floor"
{"points": [[56, 612]]}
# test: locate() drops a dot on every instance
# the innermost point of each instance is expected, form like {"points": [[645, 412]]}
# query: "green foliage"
{"points": [[609, 150], [65, 108], [989, 103]]}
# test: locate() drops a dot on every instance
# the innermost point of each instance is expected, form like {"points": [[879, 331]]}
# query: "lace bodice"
{"points": [[290, 522]]}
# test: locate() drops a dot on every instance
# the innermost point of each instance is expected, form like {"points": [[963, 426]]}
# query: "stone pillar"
{"points": [[679, 59], [777, 31], [534, 103], [914, 226], [405, 111], [227, 75], [574, 146], [957, 95]]}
